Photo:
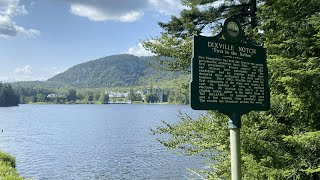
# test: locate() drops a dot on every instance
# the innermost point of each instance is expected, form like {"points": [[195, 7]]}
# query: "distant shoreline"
{"points": [[50, 103]]}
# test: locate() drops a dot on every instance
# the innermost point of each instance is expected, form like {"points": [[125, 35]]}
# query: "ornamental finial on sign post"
{"points": [[232, 30]]}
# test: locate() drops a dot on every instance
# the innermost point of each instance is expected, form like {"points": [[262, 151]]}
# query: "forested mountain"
{"points": [[113, 71]]}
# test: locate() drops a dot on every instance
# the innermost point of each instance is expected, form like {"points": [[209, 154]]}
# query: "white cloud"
{"points": [[123, 10], [210, 5], [15, 10], [167, 7], [24, 78], [33, 3], [22, 74], [131, 16], [28, 73], [4, 78], [98, 14], [8, 27], [139, 50], [24, 70]]}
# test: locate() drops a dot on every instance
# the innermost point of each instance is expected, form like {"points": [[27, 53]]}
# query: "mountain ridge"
{"points": [[123, 70]]}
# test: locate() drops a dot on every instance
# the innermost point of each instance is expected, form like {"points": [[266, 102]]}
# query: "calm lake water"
{"points": [[92, 141]]}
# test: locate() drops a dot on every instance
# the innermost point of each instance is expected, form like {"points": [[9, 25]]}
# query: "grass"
{"points": [[7, 167]]}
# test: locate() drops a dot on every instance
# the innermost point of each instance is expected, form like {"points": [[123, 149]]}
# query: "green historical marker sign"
{"points": [[229, 75]]}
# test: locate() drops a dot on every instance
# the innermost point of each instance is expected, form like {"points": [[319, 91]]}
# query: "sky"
{"points": [[41, 38]]}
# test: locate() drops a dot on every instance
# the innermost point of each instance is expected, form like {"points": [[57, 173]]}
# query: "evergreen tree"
{"points": [[90, 96], [40, 98], [104, 98], [131, 95], [8, 97], [71, 95], [174, 47], [282, 143], [151, 98]]}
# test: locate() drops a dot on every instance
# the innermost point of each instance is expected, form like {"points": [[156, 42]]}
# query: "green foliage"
{"points": [[6, 158], [282, 143], [180, 93], [40, 98], [7, 167], [134, 96], [151, 98], [113, 71], [175, 52], [71, 95], [8, 97], [38, 85], [38, 91], [174, 47], [90, 97], [104, 98]]}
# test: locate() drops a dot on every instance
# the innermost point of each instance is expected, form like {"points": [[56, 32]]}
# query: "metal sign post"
{"points": [[234, 126], [229, 75]]}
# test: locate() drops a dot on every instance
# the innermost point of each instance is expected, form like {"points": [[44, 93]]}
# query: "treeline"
{"points": [[174, 92], [8, 97], [39, 94], [172, 96]]}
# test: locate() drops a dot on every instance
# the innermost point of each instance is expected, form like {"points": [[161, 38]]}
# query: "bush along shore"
{"points": [[7, 167]]}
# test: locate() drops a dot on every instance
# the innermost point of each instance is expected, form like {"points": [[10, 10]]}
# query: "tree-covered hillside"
{"points": [[113, 71], [38, 84]]}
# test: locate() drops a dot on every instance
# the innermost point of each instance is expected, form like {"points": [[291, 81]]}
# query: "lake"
{"points": [[92, 141]]}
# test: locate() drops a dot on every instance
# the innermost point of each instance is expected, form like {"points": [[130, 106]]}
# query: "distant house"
{"points": [[52, 95], [117, 94], [140, 92]]}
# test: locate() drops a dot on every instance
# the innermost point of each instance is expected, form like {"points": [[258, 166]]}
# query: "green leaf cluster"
{"points": [[173, 48], [7, 167], [282, 143], [8, 97]]}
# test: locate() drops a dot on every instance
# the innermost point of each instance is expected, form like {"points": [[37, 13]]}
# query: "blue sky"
{"points": [[40, 38]]}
